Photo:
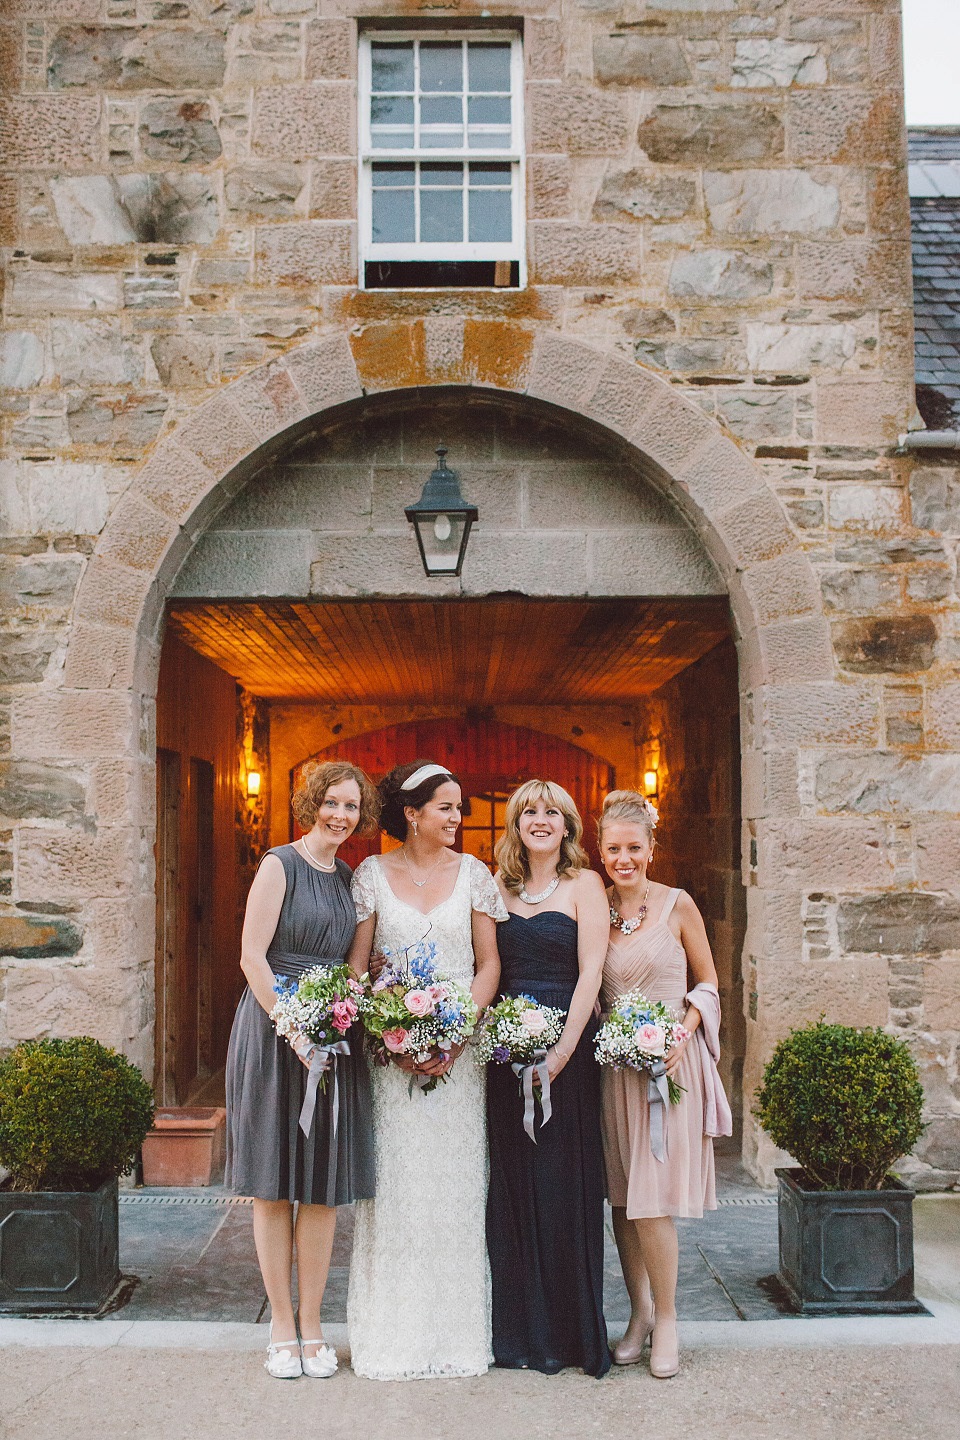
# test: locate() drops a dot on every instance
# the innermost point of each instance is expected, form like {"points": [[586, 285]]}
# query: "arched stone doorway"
{"points": [[680, 454]]}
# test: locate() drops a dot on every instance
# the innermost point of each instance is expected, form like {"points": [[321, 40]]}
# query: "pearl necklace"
{"points": [[627, 927], [419, 883], [313, 859], [535, 899]]}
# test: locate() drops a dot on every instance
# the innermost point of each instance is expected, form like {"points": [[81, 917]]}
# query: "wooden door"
{"points": [[490, 759], [168, 911]]}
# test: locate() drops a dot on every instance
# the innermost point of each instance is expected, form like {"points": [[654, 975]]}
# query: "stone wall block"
{"points": [[844, 126], [823, 853], [871, 508], [563, 254], [331, 50], [71, 724], [854, 271], [819, 714], [299, 122], [563, 372], [941, 992], [135, 58], [760, 63], [721, 275], [698, 134], [575, 120], [644, 195], [117, 794], [644, 60], [443, 347], [47, 132], [178, 130], [230, 563], [385, 568], [217, 434], [943, 716], [550, 564], [782, 587], [266, 192], [390, 354], [333, 190], [859, 592], [718, 476], [888, 783], [858, 412], [496, 352], [770, 202], [50, 792], [99, 657], [307, 252], [548, 187], [622, 393], [675, 435], [544, 47], [174, 480], [138, 534], [42, 291], [756, 529], [851, 993], [899, 924], [891, 645], [121, 933], [792, 349], [95, 352], [796, 650], [651, 560], [110, 594], [935, 499], [325, 372], [269, 400]]}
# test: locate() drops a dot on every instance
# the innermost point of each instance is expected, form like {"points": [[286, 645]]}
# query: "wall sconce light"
{"points": [[442, 520], [650, 784], [253, 783]]}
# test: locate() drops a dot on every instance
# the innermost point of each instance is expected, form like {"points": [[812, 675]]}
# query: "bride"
{"points": [[419, 1299]]}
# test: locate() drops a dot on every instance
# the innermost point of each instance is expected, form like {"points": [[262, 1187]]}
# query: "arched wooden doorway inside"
{"points": [[490, 758]]}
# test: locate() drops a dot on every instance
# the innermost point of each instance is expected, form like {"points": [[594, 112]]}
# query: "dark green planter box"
{"points": [[846, 1252], [59, 1251]]}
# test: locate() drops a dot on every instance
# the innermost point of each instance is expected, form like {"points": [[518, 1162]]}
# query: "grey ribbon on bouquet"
{"points": [[526, 1075], [318, 1064], [658, 1094]]}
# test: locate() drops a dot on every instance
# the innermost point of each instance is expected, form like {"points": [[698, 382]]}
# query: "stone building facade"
{"points": [[717, 297]]}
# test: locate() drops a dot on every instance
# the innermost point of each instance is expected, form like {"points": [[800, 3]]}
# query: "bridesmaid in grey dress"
{"points": [[299, 914]]}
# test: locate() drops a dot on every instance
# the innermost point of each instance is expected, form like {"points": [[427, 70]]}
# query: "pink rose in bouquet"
{"points": [[652, 1039], [344, 1013], [420, 1002], [534, 1022], [395, 1039]]}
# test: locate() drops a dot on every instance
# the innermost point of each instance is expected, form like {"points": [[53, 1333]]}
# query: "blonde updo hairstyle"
{"points": [[632, 808], [316, 778], [510, 850]]}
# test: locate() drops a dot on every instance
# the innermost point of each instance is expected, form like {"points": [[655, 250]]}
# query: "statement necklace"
{"points": [[535, 899], [419, 883], [313, 859], [627, 927]]}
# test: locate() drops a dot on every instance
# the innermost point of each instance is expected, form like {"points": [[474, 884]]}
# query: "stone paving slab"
{"points": [[886, 1392]]}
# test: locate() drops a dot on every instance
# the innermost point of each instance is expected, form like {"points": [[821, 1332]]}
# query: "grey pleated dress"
{"points": [[268, 1156]]}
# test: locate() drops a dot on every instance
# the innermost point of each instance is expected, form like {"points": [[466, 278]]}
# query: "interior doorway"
{"points": [[593, 693]]}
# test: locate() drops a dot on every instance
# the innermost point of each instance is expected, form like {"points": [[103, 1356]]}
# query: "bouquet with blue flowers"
{"points": [[412, 1010], [516, 1028], [637, 1035]]}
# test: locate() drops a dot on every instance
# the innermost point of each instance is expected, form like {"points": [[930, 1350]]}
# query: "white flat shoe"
{"points": [[283, 1358], [322, 1365]]}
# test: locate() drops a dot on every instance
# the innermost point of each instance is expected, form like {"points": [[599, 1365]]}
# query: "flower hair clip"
{"points": [[652, 812]]}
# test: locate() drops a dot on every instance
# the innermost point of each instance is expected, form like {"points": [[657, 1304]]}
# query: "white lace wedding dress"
{"points": [[419, 1299]]}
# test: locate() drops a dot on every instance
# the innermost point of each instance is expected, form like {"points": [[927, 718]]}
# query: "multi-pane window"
{"points": [[441, 159]]}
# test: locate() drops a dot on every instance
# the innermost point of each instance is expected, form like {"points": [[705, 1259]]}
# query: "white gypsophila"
{"points": [[506, 1036]]}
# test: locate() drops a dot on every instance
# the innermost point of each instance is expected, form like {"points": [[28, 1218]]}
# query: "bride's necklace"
{"points": [[419, 883], [313, 859], [627, 927], [535, 899]]}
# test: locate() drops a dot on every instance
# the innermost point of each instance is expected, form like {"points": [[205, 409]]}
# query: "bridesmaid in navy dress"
{"points": [[545, 1202]]}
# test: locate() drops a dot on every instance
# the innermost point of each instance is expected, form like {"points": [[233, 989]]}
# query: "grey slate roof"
{"points": [[935, 226]]}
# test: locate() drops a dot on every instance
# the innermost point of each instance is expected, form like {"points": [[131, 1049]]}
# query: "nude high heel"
{"points": [[665, 1368], [629, 1354]]}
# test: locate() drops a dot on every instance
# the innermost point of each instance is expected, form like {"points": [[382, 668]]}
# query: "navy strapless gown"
{"points": [[545, 1202]]}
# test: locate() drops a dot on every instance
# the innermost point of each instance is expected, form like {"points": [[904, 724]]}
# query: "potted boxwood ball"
{"points": [[73, 1115], [846, 1104]]}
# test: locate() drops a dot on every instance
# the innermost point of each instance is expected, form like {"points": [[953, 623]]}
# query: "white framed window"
{"points": [[441, 158]]}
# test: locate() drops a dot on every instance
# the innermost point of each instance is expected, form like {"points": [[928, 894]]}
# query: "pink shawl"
{"points": [[717, 1119]]}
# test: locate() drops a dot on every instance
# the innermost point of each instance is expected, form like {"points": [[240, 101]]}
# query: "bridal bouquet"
{"points": [[516, 1028], [411, 1010], [637, 1034], [321, 1005]]}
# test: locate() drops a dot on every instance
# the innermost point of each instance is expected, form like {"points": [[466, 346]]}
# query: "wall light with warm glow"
{"points": [[650, 784], [253, 782]]}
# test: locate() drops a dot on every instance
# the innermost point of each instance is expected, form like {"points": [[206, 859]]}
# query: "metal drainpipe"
{"points": [[930, 440]]}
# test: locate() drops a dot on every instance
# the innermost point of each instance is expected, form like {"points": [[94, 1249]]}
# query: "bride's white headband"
{"points": [[424, 773]]}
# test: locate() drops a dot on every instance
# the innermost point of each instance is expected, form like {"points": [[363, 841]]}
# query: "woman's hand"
{"points": [[556, 1060], [374, 968], [673, 1057], [438, 1064], [304, 1050]]}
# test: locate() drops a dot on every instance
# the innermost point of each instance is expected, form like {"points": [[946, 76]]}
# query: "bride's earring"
{"points": [[414, 823]]}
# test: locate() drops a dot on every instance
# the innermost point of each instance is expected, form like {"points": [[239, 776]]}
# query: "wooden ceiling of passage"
{"points": [[510, 650]]}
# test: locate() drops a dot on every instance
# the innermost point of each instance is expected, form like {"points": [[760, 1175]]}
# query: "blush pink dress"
{"points": [[653, 961]]}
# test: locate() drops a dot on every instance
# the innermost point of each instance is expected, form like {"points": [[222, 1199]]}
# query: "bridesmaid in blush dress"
{"points": [[545, 1202], [657, 938]]}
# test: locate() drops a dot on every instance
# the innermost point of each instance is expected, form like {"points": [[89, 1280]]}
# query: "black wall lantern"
{"points": [[442, 520]]}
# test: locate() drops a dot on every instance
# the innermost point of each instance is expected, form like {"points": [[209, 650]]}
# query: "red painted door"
{"points": [[490, 759]]}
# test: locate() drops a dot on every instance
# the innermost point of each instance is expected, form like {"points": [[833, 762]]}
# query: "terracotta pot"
{"points": [[186, 1146]]}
